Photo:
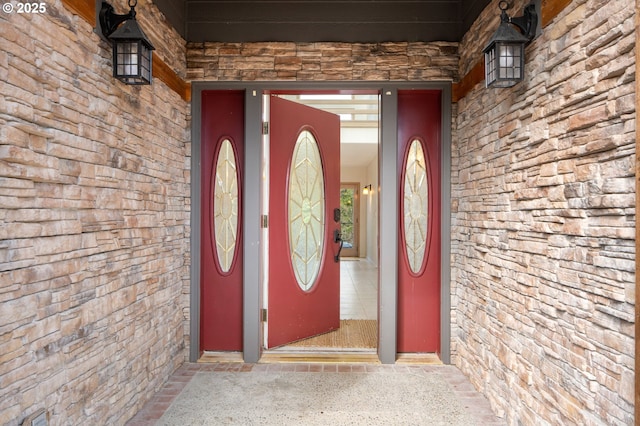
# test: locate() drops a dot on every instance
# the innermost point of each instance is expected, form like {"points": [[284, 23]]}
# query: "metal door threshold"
{"points": [[220, 357]]}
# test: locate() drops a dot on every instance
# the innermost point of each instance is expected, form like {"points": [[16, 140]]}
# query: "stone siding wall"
{"points": [[94, 223], [322, 61], [544, 223]]}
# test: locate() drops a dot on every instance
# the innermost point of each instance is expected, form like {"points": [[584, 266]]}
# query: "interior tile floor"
{"points": [[358, 289]]}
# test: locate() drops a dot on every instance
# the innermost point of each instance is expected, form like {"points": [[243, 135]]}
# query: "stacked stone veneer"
{"points": [[94, 229], [322, 61], [543, 223]]}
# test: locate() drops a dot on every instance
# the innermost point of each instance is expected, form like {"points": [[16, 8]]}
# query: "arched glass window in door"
{"points": [[306, 210], [225, 205], [415, 205]]}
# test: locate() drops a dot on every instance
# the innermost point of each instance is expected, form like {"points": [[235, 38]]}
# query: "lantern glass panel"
{"points": [[132, 62], [490, 66], [145, 64], [127, 59], [510, 61], [504, 64]]}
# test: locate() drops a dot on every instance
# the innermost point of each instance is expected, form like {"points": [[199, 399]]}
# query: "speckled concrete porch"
{"points": [[317, 394]]}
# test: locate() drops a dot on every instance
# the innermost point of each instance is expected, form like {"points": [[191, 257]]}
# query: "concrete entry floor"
{"points": [[317, 394]]}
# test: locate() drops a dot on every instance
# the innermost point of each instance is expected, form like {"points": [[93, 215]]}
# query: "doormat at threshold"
{"points": [[351, 334]]}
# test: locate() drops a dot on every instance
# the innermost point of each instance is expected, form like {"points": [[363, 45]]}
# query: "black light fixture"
{"points": [[504, 54], [366, 190], [132, 50]]}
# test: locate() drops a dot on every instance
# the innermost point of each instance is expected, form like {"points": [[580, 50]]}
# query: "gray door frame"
{"points": [[388, 213]]}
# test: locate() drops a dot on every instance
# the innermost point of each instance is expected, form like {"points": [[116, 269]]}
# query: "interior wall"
{"points": [[94, 230], [543, 221], [371, 202], [358, 175]]}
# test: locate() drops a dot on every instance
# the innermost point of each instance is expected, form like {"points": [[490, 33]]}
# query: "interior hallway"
{"points": [[358, 289], [317, 394]]}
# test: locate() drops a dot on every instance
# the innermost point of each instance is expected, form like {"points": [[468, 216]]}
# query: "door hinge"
{"points": [[265, 127], [264, 315], [264, 221]]}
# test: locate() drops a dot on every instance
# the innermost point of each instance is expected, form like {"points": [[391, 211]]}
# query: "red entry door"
{"points": [[221, 238], [304, 276], [419, 148]]}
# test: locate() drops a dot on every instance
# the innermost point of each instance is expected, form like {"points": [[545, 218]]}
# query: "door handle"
{"points": [[337, 238]]}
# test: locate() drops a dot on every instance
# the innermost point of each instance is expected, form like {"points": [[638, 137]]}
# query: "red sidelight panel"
{"points": [[221, 223], [419, 235]]}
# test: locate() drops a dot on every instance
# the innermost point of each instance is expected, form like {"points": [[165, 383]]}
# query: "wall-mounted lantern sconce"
{"points": [[366, 190], [504, 54], [132, 50]]}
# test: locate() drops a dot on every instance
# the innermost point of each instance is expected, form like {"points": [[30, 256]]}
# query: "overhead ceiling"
{"points": [[357, 21]]}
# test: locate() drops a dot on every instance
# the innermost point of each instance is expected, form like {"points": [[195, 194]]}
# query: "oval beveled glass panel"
{"points": [[415, 206], [306, 210], [225, 205]]}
